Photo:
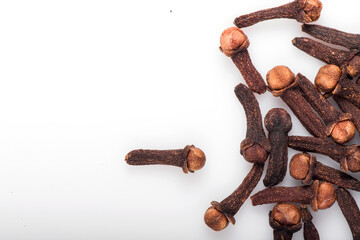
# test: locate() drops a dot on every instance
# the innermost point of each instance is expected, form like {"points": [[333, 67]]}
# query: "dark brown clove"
{"points": [[190, 158], [278, 123], [285, 220], [348, 107], [347, 156], [350, 210], [338, 125], [234, 44], [282, 82], [218, 216], [349, 59], [310, 231], [333, 36], [304, 166], [255, 147], [303, 11], [318, 195]]}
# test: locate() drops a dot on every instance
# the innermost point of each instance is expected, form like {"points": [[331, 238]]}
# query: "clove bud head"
{"points": [[311, 9], [255, 154], [286, 214], [215, 219], [327, 78], [326, 195], [232, 40], [299, 166], [353, 161], [278, 119], [353, 66], [343, 131], [279, 78], [195, 159]]}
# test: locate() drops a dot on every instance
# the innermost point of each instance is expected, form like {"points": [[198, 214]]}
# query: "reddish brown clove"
{"points": [[338, 125], [278, 123], [348, 107], [190, 158], [304, 166], [347, 156], [255, 147], [234, 44], [310, 231], [218, 216], [333, 36], [318, 195], [303, 11], [350, 210], [327, 78], [282, 82], [285, 220]]}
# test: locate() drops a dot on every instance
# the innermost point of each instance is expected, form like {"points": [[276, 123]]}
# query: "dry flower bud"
{"points": [[233, 39], [255, 154], [327, 78], [343, 131], [215, 219], [195, 159], [326, 195], [286, 214], [280, 77], [312, 8], [299, 166]]}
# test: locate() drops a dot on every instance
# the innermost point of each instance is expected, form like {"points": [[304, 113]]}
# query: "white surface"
{"points": [[84, 82]]}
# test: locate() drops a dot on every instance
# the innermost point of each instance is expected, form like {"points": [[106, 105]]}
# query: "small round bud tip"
{"points": [[312, 8], [233, 39], [196, 159], [353, 161], [286, 214], [327, 78], [299, 166], [255, 154], [326, 195], [343, 131], [278, 119], [215, 219], [280, 77]]}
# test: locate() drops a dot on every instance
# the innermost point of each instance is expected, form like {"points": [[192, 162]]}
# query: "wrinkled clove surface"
{"points": [[303, 11], [255, 147], [285, 220], [278, 123], [333, 36], [350, 210], [304, 166], [218, 216], [310, 231], [190, 158], [348, 107], [347, 156], [282, 82], [234, 44], [318, 195]]}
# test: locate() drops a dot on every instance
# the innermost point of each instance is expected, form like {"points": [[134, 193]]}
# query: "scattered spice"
{"points": [[282, 82], [350, 211], [348, 107], [190, 158], [303, 11], [278, 123], [304, 166], [255, 147], [318, 195], [285, 220], [218, 216], [310, 231], [234, 44], [347, 156]]}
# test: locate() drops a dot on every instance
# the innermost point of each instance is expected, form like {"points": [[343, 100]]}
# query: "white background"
{"points": [[84, 82]]}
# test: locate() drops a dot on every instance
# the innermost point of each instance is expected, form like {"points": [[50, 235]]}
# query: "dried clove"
{"points": [[318, 195], [282, 82], [350, 210], [348, 107], [303, 11], [218, 216], [278, 123], [234, 44], [190, 158], [285, 220], [304, 166], [310, 231], [255, 147], [338, 125], [327, 78], [349, 59], [347, 156], [333, 36]]}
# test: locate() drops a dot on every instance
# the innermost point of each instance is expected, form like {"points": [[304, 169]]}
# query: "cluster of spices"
{"points": [[321, 185]]}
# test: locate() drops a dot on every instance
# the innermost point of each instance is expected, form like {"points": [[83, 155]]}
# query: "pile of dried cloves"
{"points": [[331, 129]]}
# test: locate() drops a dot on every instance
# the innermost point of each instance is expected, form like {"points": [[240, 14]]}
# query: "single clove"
{"points": [[285, 220], [349, 59], [190, 158], [333, 36], [255, 147], [350, 210], [218, 216], [234, 44], [310, 231], [318, 195], [278, 123], [347, 156], [348, 107], [338, 125], [303, 11], [282, 82], [304, 166]]}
